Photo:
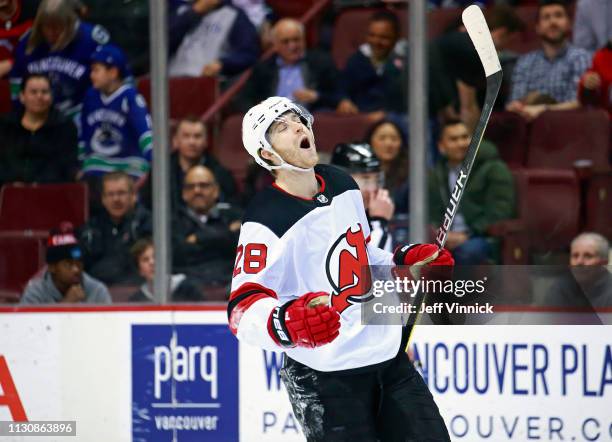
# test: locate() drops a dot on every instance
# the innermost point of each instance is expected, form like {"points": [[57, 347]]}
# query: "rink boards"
{"points": [[163, 374]]}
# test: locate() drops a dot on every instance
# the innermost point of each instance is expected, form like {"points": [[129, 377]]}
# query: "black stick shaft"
{"points": [[493, 86]]}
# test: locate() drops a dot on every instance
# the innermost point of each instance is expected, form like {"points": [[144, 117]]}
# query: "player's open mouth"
{"points": [[305, 143]]}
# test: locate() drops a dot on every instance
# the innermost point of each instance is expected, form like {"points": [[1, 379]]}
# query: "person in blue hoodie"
{"points": [[59, 46]]}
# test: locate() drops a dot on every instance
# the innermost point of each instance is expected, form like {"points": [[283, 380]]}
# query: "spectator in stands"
{"points": [[204, 233], [308, 77], [106, 238], [389, 144], [375, 75], [596, 84], [64, 280], [182, 288], [547, 79], [190, 142], [38, 144], [589, 249], [488, 198], [458, 62], [592, 24], [59, 45], [210, 38], [115, 123], [589, 283], [14, 22]]}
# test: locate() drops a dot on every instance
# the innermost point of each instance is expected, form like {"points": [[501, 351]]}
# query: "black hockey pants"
{"points": [[387, 404]]}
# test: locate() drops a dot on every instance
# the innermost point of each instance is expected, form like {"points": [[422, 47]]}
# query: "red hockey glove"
{"points": [[427, 255], [296, 324], [421, 254]]}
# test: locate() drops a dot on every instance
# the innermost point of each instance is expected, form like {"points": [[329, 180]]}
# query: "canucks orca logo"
{"points": [[347, 269], [106, 140]]}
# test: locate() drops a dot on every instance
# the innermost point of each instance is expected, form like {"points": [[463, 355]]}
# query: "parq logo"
{"points": [[184, 383]]}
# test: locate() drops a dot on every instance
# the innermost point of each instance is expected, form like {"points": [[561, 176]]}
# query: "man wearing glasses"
{"points": [[205, 231]]}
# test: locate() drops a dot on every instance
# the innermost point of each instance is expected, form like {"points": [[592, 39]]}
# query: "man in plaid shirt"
{"points": [[547, 79]]}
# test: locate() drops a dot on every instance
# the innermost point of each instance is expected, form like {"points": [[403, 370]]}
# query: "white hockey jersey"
{"points": [[290, 246]]}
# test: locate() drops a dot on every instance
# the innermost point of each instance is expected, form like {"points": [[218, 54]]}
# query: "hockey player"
{"points": [[360, 161], [302, 238], [115, 122]]}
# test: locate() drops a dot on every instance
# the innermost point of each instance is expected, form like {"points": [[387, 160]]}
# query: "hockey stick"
{"points": [[476, 26]]}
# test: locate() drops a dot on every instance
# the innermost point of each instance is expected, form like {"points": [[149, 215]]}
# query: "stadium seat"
{"points": [[283, 8], [20, 258], [508, 131], [559, 138], [229, 150], [120, 294], [512, 233], [42, 207], [599, 204], [548, 217], [528, 40], [331, 129], [188, 95], [5, 96], [550, 207]]}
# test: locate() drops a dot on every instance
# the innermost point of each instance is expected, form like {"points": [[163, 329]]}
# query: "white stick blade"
{"points": [[476, 26]]}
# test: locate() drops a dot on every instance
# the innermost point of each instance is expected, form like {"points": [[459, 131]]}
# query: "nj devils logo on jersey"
{"points": [[347, 269]]}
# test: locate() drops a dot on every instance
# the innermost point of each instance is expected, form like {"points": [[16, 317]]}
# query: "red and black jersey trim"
{"points": [[320, 181], [279, 211], [242, 298]]}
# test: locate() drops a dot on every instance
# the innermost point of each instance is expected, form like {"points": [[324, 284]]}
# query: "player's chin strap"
{"points": [[286, 165]]}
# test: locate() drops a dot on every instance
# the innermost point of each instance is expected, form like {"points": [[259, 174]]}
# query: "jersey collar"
{"points": [[319, 198]]}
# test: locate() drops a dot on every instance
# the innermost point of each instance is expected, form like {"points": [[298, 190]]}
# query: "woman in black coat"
{"points": [[37, 144]]}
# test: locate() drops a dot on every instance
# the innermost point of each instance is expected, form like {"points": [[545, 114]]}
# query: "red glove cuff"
{"points": [[295, 324], [413, 254]]}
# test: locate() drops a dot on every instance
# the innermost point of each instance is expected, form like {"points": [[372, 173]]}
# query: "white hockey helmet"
{"points": [[258, 120]]}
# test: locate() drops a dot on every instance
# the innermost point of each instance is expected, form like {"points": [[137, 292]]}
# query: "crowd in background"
{"points": [[76, 115]]}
